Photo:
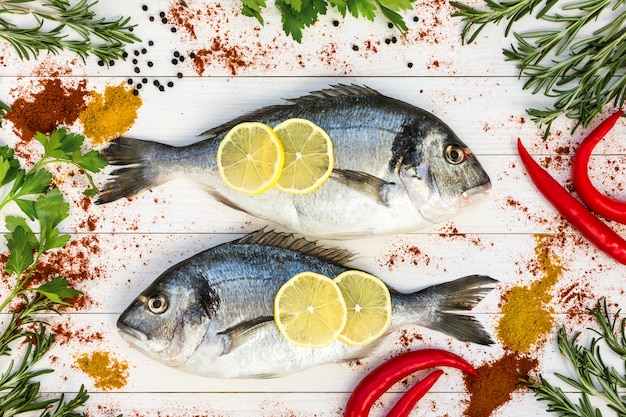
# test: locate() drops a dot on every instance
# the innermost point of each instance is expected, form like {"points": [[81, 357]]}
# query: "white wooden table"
{"points": [[470, 87]]}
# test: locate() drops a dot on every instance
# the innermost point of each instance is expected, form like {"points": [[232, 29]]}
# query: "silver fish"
{"points": [[397, 167], [212, 314]]}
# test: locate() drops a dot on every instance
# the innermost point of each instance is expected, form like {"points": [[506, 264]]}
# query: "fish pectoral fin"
{"points": [[368, 184], [239, 333]]}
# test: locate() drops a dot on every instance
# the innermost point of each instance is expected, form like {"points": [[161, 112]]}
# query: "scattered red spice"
{"points": [[46, 106], [64, 333], [73, 262], [182, 17], [404, 254], [406, 338]]}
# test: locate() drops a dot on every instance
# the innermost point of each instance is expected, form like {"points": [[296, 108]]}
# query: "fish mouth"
{"points": [[474, 194], [131, 334]]}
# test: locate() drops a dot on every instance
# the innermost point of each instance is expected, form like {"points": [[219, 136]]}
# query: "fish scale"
{"points": [[398, 168]]}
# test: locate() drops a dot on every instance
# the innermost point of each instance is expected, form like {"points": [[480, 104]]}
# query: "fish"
{"points": [[397, 168], [212, 314]]}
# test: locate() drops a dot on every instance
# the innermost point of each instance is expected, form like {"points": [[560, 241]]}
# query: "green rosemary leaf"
{"points": [[575, 61]]}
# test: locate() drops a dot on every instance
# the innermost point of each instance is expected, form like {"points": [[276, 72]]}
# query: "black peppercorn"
{"points": [[174, 61], [355, 48], [135, 92], [130, 81], [144, 8], [410, 65], [144, 80], [173, 29], [192, 55], [150, 64], [150, 43], [137, 70], [161, 88], [179, 75], [170, 84], [139, 86], [164, 20], [101, 63], [162, 14], [335, 23], [151, 18]]}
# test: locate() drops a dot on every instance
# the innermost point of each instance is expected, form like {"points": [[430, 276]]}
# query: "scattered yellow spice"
{"points": [[107, 372], [109, 115], [526, 315]]}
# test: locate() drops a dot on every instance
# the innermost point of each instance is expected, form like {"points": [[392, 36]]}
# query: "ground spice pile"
{"points": [[53, 105], [110, 114], [497, 381], [526, 315], [107, 372]]}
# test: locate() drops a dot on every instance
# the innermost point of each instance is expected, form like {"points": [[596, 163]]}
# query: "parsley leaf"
{"points": [[44, 206], [299, 14], [58, 290], [21, 250]]}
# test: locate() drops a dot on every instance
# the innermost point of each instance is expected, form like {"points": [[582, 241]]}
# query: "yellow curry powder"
{"points": [[526, 315], [107, 372], [110, 114]]}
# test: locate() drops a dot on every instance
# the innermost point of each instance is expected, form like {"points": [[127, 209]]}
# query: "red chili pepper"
{"points": [[592, 228], [377, 382], [608, 207], [407, 402]]}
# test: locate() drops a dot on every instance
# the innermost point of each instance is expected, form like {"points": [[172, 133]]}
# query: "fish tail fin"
{"points": [[136, 159], [453, 300]]}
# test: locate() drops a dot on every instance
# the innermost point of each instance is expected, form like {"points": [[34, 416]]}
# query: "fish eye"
{"points": [[157, 304], [454, 154]]}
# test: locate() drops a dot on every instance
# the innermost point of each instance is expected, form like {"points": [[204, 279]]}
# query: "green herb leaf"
{"points": [[92, 161], [51, 210], [578, 66], [34, 183], [9, 166], [90, 34], [58, 290], [21, 251]]}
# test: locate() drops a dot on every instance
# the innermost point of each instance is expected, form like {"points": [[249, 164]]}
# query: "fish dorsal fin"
{"points": [[289, 241], [338, 90]]}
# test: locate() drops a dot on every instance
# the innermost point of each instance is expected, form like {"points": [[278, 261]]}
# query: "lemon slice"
{"points": [[369, 307], [250, 158], [309, 310], [308, 156]]}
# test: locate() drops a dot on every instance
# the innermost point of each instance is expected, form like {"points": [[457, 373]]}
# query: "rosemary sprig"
{"points": [[594, 378], [100, 37], [583, 74], [31, 190]]}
